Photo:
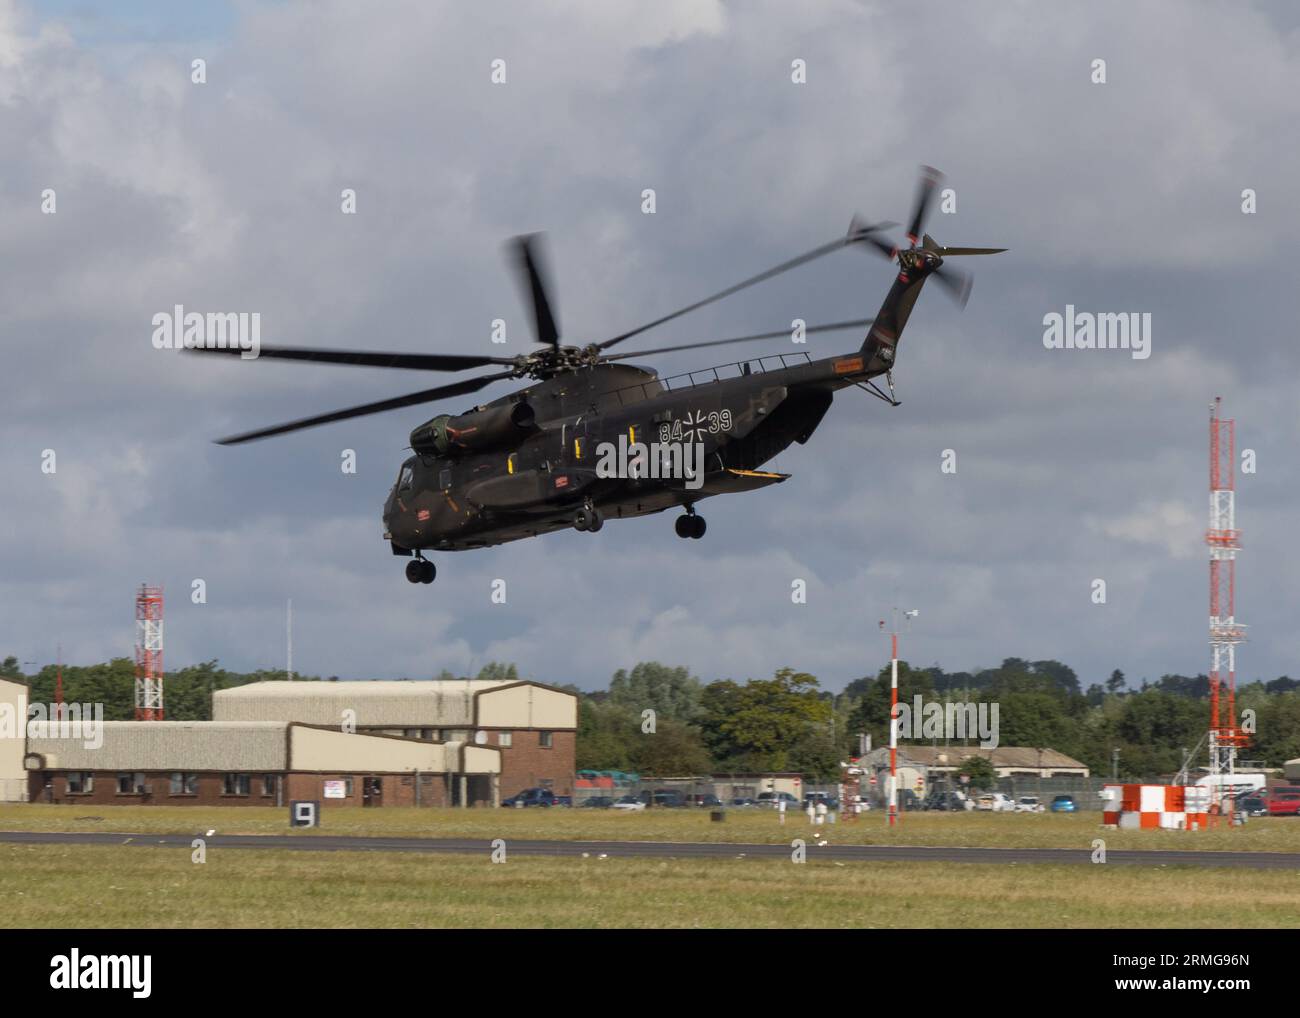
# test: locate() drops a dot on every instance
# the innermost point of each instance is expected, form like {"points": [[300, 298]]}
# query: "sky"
{"points": [[1071, 465]]}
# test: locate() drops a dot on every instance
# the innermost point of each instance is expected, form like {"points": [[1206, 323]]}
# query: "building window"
{"points": [[347, 786], [427, 734], [130, 784], [236, 784], [268, 784], [545, 739], [80, 782], [184, 784], [505, 739]]}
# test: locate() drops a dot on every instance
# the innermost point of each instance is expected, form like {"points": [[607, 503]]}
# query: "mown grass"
{"points": [[79, 886], [989, 830]]}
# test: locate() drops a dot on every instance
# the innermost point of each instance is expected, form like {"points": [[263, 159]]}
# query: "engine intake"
{"points": [[503, 427]]}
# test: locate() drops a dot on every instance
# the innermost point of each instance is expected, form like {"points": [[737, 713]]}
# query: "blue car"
{"points": [[1064, 804]]}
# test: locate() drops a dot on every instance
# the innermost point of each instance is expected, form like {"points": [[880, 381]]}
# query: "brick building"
{"points": [[534, 726], [259, 763]]}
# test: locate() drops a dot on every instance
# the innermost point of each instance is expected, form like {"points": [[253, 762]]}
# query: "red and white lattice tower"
{"points": [[149, 653], [1225, 737]]}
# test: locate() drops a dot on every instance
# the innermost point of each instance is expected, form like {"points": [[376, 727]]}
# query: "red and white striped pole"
{"points": [[893, 725]]}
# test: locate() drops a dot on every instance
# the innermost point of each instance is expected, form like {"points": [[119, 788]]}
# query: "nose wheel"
{"points": [[690, 525], [420, 570]]}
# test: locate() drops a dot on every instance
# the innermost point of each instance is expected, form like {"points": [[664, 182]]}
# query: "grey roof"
{"points": [[396, 704], [168, 745]]}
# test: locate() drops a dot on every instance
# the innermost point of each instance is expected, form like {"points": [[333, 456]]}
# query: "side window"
{"points": [[408, 477], [444, 479]]}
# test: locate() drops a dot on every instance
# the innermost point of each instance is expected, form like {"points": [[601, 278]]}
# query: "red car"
{"points": [[1284, 801]]}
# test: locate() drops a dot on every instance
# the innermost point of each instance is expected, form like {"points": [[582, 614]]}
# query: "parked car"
{"points": [[995, 802], [1029, 804], [1064, 804], [1253, 805], [629, 803], [664, 797], [743, 802], [769, 800], [597, 802], [1284, 802], [945, 802], [562, 800], [704, 799], [531, 797]]}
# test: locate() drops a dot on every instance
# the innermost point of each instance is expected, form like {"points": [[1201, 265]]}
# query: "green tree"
{"points": [[755, 726], [982, 774], [670, 692]]}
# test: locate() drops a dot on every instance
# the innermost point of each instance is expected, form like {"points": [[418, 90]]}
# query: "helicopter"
{"points": [[595, 438]]}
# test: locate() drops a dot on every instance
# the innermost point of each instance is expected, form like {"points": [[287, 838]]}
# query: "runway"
{"points": [[666, 849]]}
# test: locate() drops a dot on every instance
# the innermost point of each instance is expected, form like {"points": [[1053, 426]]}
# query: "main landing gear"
{"points": [[420, 570], [588, 518], [690, 525]]}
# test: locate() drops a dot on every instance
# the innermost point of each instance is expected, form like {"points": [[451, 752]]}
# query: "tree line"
{"points": [[660, 719]]}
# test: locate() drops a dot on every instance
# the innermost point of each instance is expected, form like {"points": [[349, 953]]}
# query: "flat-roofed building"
{"points": [[259, 763], [534, 726]]}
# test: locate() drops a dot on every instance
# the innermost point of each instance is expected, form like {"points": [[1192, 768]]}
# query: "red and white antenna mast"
{"points": [[149, 653], [1225, 631]]}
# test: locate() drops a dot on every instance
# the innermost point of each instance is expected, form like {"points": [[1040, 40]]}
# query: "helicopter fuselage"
{"points": [[732, 419]]}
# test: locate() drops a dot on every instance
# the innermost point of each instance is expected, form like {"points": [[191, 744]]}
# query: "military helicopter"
{"points": [[594, 438]]}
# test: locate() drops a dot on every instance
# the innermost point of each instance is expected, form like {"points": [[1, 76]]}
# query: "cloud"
{"points": [[225, 196]]}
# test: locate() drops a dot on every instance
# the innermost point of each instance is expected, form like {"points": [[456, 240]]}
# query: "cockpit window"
{"points": [[406, 479]]}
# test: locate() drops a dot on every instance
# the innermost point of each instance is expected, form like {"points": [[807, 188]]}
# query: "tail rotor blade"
{"points": [[955, 282], [930, 178]]}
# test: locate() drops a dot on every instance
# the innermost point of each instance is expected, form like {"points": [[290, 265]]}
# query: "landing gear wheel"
{"points": [[690, 525], [427, 571], [597, 521], [588, 518], [415, 570]]}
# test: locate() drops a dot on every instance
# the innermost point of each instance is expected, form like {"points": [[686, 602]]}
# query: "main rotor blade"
{"points": [[817, 252], [412, 399], [534, 277], [930, 178], [780, 334], [367, 358], [947, 252]]}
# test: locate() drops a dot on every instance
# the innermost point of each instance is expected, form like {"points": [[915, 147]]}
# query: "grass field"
{"points": [[94, 886], [985, 830]]}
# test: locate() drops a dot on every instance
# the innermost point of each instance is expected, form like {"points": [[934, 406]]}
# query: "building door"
{"points": [[372, 791]]}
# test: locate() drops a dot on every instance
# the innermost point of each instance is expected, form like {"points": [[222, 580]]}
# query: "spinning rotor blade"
{"points": [[412, 399], [853, 237], [781, 334], [866, 232], [956, 282], [930, 178], [369, 359], [535, 280]]}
